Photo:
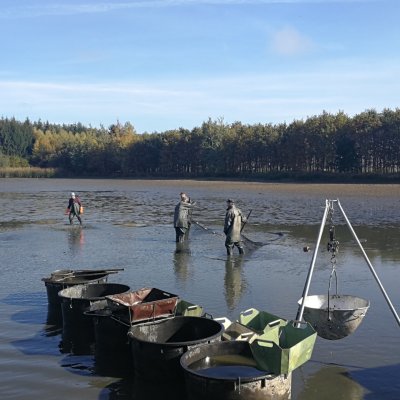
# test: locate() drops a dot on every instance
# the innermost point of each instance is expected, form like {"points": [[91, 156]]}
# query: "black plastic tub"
{"points": [[63, 279], [227, 371], [76, 301], [157, 347], [113, 356]]}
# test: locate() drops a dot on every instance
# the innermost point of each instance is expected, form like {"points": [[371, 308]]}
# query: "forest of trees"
{"points": [[327, 144]]}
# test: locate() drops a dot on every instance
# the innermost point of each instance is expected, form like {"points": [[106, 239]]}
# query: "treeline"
{"points": [[367, 143]]}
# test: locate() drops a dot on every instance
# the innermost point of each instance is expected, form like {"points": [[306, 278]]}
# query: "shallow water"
{"points": [[127, 224]]}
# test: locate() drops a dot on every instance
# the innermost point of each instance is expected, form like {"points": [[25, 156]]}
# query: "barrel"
{"points": [[227, 370], [157, 347], [112, 350], [76, 301], [63, 279]]}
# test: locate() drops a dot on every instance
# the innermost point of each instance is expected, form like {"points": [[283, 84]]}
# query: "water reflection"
{"points": [[373, 379], [76, 238], [182, 261], [78, 364], [76, 342], [54, 316], [171, 390], [35, 345], [233, 281], [123, 389], [331, 383], [52, 329]]}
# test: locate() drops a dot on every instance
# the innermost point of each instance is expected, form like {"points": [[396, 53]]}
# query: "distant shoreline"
{"points": [[276, 177]]}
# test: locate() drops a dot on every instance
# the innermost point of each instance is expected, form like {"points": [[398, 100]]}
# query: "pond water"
{"points": [[128, 224]]}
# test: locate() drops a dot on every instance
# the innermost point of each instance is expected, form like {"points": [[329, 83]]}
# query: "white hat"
{"points": [[184, 196], [72, 194]]}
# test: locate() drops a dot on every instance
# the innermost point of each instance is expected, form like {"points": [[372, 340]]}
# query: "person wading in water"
{"points": [[74, 208], [232, 227], [183, 217]]}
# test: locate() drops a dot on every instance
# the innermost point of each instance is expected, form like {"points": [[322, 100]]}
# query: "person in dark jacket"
{"points": [[74, 208], [183, 217], [232, 227]]}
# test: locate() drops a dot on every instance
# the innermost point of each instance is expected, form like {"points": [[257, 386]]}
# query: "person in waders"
{"points": [[232, 227], [183, 217], [74, 208]]}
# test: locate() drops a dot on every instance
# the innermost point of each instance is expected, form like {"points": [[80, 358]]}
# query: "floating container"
{"points": [[157, 346], [235, 330], [62, 279], [142, 305], [188, 309], [227, 370], [334, 316], [285, 348], [112, 350], [260, 321], [113, 356], [76, 302]]}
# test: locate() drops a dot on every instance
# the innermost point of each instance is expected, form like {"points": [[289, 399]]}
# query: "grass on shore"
{"points": [[27, 172], [36, 172]]}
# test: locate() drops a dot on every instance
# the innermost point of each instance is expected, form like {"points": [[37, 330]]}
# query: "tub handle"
{"points": [[245, 336], [274, 323], [262, 342], [247, 312]]}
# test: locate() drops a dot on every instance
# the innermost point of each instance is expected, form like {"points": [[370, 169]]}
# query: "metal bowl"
{"points": [[335, 316]]}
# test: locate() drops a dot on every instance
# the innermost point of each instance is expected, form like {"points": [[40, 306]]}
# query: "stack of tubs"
{"points": [[111, 324], [62, 279], [77, 302], [162, 338]]}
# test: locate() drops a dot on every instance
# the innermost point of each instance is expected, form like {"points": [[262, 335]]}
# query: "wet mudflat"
{"points": [[127, 224]]}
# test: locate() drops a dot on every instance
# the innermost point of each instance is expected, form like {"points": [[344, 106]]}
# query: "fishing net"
{"points": [[250, 244]]}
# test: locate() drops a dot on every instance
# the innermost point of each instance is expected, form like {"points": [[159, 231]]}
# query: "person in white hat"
{"points": [[232, 227], [74, 208]]}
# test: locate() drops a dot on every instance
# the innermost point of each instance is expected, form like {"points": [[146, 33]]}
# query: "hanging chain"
{"points": [[333, 244], [333, 248]]}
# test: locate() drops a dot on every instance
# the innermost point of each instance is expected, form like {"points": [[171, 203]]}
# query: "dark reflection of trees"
{"points": [[76, 238], [234, 283], [182, 259]]}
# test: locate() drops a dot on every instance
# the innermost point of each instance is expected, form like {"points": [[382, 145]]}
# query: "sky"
{"points": [[169, 64]]}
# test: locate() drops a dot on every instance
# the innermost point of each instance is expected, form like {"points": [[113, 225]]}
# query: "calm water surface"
{"points": [[127, 224]]}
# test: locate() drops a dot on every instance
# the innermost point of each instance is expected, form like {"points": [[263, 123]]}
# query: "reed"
{"points": [[27, 172]]}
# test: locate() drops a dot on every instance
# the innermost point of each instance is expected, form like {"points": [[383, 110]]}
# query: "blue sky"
{"points": [[168, 64]]}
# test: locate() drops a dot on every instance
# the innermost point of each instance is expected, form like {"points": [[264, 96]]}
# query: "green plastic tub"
{"points": [[289, 350]]}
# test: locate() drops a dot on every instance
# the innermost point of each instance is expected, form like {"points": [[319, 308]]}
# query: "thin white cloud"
{"points": [[163, 105], [288, 41]]}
